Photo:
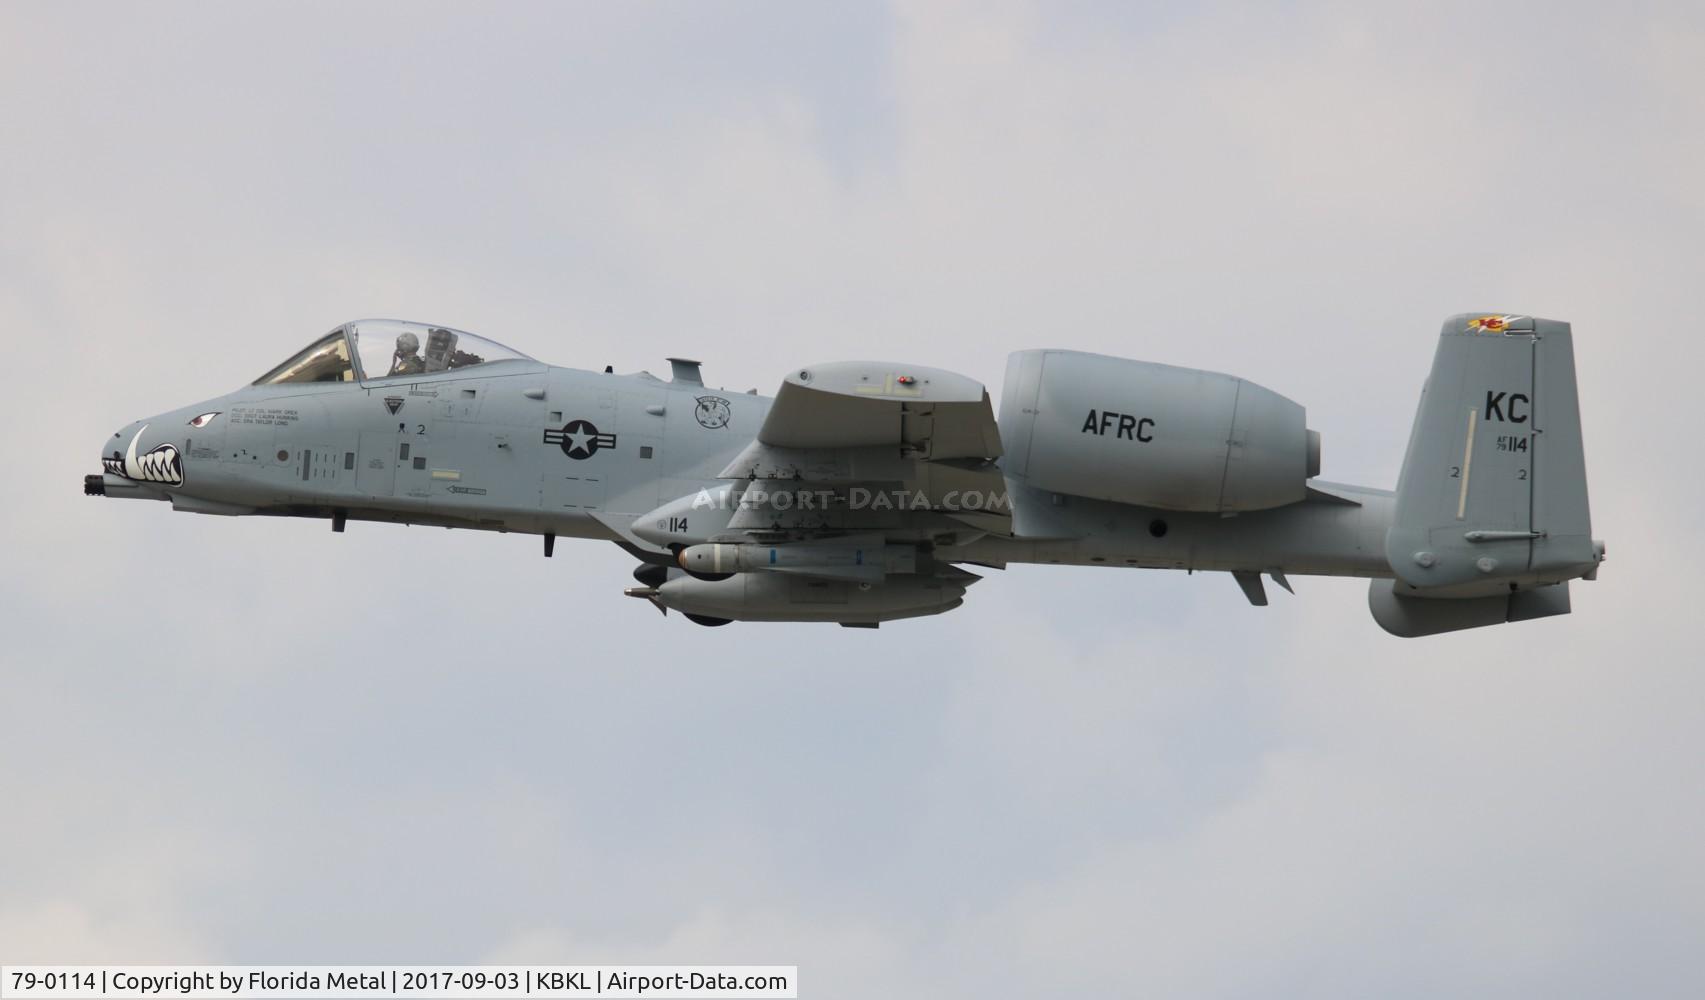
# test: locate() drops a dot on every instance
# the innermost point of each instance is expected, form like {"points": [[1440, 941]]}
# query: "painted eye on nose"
{"points": [[204, 419]]}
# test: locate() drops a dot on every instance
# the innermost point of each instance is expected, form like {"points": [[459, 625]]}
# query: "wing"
{"points": [[873, 448], [931, 413]]}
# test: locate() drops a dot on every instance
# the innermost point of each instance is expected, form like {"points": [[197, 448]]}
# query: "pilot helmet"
{"points": [[407, 344]]}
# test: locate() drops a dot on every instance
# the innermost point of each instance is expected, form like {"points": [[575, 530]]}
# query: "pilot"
{"points": [[407, 359]]}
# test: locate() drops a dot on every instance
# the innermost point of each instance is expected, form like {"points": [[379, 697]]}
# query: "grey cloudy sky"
{"points": [[248, 740]]}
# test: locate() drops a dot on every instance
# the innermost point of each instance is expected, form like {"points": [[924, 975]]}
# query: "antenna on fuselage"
{"points": [[685, 371]]}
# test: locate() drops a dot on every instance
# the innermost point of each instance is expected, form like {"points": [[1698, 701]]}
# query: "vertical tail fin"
{"points": [[1492, 499]]}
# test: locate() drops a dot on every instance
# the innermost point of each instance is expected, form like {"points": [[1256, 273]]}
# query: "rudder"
{"points": [[1492, 499]]}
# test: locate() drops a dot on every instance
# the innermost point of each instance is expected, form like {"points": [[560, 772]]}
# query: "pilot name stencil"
{"points": [[260, 415]]}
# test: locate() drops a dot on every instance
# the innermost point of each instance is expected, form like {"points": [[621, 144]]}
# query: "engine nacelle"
{"points": [[1153, 435], [784, 597], [697, 517]]}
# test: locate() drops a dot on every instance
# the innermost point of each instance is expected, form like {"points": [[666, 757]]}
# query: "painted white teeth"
{"points": [[160, 464]]}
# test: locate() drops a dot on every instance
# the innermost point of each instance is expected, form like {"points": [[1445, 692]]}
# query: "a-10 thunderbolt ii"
{"points": [[860, 492]]}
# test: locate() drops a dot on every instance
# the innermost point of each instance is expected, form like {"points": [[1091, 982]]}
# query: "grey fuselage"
{"points": [[516, 445]]}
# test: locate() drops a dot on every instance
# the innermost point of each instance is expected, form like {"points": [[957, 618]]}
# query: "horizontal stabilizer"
{"points": [[1412, 617]]}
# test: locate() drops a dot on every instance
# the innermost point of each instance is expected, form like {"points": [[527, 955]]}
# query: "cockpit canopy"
{"points": [[371, 349]]}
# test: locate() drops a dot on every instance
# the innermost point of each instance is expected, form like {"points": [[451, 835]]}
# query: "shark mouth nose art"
{"points": [[159, 464]]}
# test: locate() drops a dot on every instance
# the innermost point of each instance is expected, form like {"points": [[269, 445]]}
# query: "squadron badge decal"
{"points": [[580, 439], [712, 412]]}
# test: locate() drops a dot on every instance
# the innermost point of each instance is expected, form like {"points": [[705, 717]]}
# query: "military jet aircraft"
{"points": [[862, 491]]}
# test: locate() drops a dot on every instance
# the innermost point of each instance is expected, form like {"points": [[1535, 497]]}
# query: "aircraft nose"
{"points": [[112, 449], [112, 460], [132, 454]]}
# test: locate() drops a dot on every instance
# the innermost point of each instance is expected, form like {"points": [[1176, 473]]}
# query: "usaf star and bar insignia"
{"points": [[579, 439]]}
